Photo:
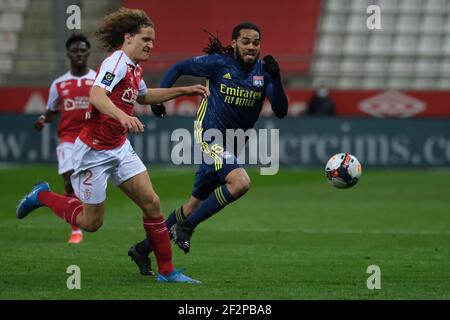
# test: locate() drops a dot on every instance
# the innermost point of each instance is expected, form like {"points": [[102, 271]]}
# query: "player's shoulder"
{"points": [[116, 62], [91, 74], [259, 67], [211, 58], [62, 78]]}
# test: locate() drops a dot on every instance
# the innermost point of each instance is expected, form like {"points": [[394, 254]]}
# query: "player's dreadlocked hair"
{"points": [[215, 46], [114, 26]]}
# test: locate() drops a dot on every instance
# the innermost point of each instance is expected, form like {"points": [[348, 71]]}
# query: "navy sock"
{"points": [[214, 203], [144, 247], [176, 216]]}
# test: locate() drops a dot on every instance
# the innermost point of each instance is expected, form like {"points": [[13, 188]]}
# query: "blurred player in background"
{"points": [[102, 150], [239, 83], [69, 97]]}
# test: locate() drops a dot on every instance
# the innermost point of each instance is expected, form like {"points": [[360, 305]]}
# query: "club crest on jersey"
{"points": [[258, 81], [108, 78], [129, 95]]}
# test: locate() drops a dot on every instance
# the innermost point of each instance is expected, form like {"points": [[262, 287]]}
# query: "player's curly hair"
{"points": [[116, 24], [75, 37], [215, 46]]}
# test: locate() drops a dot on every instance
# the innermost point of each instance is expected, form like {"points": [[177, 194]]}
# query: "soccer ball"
{"points": [[343, 170]]}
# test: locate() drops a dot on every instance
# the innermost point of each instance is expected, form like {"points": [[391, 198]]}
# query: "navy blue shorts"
{"points": [[211, 175]]}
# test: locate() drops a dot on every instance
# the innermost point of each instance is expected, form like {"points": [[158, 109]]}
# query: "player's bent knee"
{"points": [[152, 207], [244, 184], [240, 186]]}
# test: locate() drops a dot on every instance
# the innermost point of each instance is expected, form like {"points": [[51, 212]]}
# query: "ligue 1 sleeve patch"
{"points": [[108, 78]]}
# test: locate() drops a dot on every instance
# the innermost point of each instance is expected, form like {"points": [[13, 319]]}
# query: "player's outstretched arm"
{"points": [[102, 103], [201, 66], [160, 95]]}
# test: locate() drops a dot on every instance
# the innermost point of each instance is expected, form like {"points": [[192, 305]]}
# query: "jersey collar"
{"points": [[128, 60]]}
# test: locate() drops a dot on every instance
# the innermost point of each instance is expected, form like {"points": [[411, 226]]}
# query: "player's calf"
{"points": [[238, 182]]}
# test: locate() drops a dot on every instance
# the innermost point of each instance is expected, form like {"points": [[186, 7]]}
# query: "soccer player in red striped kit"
{"points": [[69, 98], [103, 152]]}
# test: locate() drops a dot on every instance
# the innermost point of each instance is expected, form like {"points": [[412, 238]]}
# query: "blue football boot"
{"points": [[176, 276], [31, 201]]}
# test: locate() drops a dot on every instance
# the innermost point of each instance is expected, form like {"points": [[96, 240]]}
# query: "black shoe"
{"points": [[142, 261], [181, 236]]}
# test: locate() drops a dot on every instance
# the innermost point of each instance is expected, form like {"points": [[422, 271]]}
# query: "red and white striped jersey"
{"points": [[122, 78], [69, 95]]}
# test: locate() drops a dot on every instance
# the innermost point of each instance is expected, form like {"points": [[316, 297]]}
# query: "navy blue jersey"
{"points": [[237, 95]]}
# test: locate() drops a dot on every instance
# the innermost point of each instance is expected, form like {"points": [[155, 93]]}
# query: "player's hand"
{"points": [[271, 67], [158, 110], [40, 123], [197, 90], [132, 124]]}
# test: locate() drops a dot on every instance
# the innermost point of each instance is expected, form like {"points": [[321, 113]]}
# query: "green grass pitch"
{"points": [[291, 237]]}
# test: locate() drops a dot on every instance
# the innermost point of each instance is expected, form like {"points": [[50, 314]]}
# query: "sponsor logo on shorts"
{"points": [[87, 194]]}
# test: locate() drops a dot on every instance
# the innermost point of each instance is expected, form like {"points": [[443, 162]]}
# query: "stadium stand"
{"points": [[30, 53], [408, 52], [317, 41], [289, 29], [11, 23]]}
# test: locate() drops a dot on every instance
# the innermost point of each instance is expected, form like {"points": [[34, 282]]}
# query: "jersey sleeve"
{"points": [[53, 98], [113, 70], [142, 88], [277, 97], [203, 66], [200, 66]]}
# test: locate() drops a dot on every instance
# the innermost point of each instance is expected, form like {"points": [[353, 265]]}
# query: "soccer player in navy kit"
{"points": [[238, 82]]}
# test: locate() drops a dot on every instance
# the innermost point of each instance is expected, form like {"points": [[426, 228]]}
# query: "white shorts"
{"points": [[93, 168], [64, 154]]}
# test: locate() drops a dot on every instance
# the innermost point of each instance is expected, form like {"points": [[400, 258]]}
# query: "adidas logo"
{"points": [[227, 76]]}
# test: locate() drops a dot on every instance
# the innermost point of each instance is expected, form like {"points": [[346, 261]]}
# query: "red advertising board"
{"points": [[352, 103]]}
